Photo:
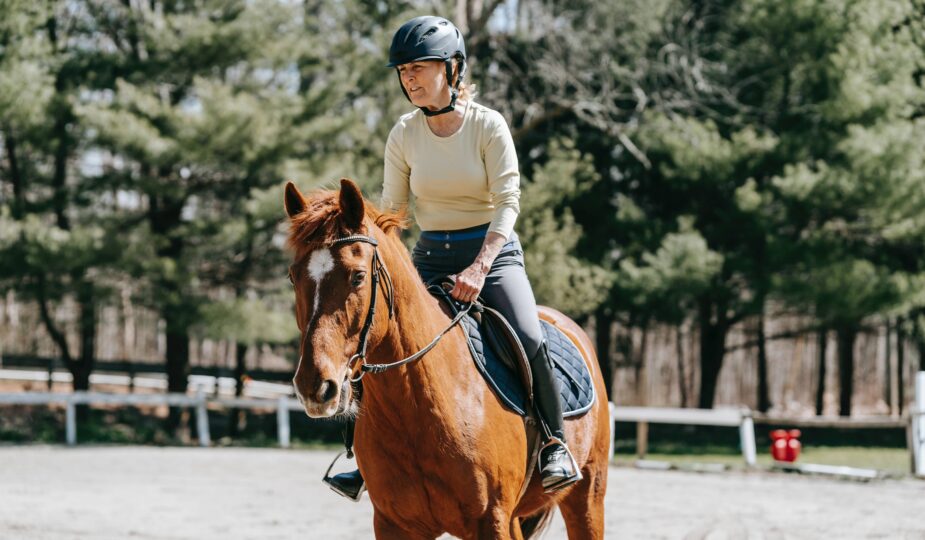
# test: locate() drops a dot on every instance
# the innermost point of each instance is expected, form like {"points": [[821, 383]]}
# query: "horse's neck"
{"points": [[428, 386]]}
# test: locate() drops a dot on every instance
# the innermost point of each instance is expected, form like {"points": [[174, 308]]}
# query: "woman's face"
{"points": [[425, 83]]}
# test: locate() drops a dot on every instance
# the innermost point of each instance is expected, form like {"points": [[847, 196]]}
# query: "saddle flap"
{"points": [[500, 358], [503, 340]]}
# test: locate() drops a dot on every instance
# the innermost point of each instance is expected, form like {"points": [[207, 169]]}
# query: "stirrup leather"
{"points": [[327, 479]]}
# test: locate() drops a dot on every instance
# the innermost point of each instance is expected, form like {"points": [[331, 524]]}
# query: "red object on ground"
{"points": [[785, 445]]}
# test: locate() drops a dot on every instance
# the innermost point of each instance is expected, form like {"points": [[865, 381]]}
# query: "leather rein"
{"points": [[382, 279]]}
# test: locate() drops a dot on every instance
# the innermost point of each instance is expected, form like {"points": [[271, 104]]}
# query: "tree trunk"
{"points": [[178, 369], [164, 216], [682, 373], [45, 313], [642, 375], [238, 416], [84, 365], [900, 366], [820, 382], [19, 192], [888, 372], [603, 322], [764, 394], [713, 332], [845, 336], [59, 178]]}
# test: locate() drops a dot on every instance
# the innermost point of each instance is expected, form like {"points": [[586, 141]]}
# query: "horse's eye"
{"points": [[358, 278]]}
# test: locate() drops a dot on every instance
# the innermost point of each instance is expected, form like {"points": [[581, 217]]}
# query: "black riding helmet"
{"points": [[430, 38]]}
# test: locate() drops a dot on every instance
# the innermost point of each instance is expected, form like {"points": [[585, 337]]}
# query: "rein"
{"points": [[379, 269]]}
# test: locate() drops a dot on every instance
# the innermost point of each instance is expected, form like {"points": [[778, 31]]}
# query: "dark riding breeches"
{"points": [[507, 288]]}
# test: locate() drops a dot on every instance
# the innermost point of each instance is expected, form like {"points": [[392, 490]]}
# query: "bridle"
{"points": [[385, 282], [381, 278]]}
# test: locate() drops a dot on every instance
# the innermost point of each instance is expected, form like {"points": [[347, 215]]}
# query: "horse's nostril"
{"points": [[327, 391]]}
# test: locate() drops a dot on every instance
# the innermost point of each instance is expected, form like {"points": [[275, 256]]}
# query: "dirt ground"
{"points": [[55, 493]]}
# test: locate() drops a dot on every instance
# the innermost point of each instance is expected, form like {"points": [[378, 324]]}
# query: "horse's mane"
{"points": [[319, 223]]}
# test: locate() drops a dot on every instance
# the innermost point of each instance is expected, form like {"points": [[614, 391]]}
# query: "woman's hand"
{"points": [[469, 282]]}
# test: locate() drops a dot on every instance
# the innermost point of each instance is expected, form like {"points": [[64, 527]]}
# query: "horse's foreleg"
{"points": [[385, 529], [583, 507]]}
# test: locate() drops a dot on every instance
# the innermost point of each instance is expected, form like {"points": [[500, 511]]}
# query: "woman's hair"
{"points": [[467, 90]]}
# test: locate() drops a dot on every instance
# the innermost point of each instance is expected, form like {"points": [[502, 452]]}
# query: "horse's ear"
{"points": [[352, 208], [294, 201]]}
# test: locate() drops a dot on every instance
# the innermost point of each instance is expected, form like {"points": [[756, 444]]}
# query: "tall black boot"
{"points": [[557, 466], [348, 484]]}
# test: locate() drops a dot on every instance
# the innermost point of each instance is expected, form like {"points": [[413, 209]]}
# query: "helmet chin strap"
{"points": [[454, 93], [454, 90]]}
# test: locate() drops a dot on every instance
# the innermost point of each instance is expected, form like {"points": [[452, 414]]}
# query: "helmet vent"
{"points": [[430, 31], [414, 30]]}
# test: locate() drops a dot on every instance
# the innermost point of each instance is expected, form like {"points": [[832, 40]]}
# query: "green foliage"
{"points": [[680, 161], [550, 234], [26, 81], [249, 321], [667, 283]]}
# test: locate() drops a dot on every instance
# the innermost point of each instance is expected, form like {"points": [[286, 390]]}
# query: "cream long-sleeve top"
{"points": [[467, 179]]}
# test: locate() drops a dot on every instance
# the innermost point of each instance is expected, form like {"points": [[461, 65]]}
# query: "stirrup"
{"points": [[328, 480], [567, 481]]}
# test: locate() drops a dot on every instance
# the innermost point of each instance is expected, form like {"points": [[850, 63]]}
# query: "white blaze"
{"points": [[319, 264]]}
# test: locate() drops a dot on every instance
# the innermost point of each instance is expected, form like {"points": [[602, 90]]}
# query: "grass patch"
{"points": [[891, 460]]}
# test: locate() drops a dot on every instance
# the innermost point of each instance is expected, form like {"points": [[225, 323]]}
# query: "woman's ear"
{"points": [[352, 208], [293, 200]]}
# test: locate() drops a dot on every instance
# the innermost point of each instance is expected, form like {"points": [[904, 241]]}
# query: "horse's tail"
{"points": [[533, 525]]}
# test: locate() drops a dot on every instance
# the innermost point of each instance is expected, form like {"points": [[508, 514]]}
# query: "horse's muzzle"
{"points": [[328, 399]]}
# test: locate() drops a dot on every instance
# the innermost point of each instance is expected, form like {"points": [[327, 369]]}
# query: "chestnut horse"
{"points": [[437, 449]]}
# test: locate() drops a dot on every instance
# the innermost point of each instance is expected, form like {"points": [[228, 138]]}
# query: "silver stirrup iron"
{"points": [[539, 463], [327, 479]]}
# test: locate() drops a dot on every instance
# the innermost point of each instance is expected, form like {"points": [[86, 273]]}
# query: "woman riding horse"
{"points": [[457, 158]]}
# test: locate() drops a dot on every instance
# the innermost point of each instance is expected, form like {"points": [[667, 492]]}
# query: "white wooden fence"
{"points": [[201, 402], [153, 381], [918, 426], [739, 418]]}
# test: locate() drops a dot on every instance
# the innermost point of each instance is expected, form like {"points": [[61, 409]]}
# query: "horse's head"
{"points": [[334, 237]]}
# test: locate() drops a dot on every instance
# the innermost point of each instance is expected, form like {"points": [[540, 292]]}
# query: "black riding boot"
{"points": [[557, 467], [349, 484]]}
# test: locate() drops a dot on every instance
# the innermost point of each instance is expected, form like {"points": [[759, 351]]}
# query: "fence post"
{"points": [[747, 438], [918, 425], [642, 439], [202, 419], [282, 421], [70, 421]]}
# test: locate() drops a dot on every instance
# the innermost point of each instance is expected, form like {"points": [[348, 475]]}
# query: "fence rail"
{"points": [[740, 418], [917, 424], [201, 402], [154, 381]]}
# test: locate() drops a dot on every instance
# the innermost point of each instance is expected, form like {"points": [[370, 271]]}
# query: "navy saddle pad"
{"points": [[576, 388]]}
